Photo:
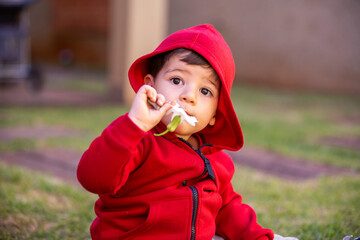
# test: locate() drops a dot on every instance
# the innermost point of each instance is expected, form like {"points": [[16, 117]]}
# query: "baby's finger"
{"points": [[160, 99], [150, 92]]}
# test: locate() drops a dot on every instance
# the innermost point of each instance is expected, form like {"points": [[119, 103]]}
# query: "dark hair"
{"points": [[156, 62]]}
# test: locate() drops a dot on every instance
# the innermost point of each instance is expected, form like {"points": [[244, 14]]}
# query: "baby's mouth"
{"points": [[188, 113], [178, 115]]}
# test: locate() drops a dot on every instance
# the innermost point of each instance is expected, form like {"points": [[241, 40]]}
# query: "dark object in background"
{"points": [[15, 63]]}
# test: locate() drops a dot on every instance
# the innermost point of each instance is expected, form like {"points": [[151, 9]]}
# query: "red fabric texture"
{"points": [[157, 187]]}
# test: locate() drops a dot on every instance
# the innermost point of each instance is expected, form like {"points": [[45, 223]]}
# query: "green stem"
{"points": [[160, 134], [171, 126]]}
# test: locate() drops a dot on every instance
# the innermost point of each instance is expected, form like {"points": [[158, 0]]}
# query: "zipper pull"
{"points": [[207, 163], [209, 169]]}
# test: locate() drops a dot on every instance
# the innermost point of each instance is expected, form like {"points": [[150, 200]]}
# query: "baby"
{"points": [[175, 185]]}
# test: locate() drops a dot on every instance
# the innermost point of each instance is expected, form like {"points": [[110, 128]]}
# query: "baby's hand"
{"points": [[144, 115]]}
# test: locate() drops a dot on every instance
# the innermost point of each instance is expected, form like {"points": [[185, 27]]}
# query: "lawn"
{"points": [[34, 206], [38, 206], [298, 124]]}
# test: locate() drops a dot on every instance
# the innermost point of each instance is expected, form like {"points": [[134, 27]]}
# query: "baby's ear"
{"points": [[212, 121], [149, 80]]}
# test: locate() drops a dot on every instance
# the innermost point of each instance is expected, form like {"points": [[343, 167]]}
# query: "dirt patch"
{"points": [[61, 163], [352, 143], [20, 96], [283, 167], [40, 132]]}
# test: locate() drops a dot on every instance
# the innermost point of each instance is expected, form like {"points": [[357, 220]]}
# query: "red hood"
{"points": [[208, 42]]}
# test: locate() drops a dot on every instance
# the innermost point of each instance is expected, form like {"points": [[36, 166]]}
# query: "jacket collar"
{"points": [[206, 148]]}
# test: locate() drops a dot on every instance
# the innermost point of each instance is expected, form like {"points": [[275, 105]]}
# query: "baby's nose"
{"points": [[189, 95]]}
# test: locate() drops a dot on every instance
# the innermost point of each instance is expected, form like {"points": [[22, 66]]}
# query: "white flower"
{"points": [[178, 115], [177, 111]]}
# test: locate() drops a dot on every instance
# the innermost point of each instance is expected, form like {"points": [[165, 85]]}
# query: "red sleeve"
{"points": [[237, 220], [111, 157]]}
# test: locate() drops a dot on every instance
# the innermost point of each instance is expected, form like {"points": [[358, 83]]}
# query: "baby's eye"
{"points": [[205, 91], [176, 81]]}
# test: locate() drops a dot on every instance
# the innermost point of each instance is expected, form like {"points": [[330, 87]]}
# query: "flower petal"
{"points": [[177, 111], [191, 120]]}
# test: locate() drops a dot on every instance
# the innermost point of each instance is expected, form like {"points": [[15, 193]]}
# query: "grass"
{"points": [[34, 206], [326, 208], [297, 124], [88, 122]]}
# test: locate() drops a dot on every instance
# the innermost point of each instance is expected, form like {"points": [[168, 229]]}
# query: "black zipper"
{"points": [[194, 191], [195, 196]]}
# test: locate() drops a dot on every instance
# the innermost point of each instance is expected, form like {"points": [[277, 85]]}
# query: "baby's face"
{"points": [[194, 87]]}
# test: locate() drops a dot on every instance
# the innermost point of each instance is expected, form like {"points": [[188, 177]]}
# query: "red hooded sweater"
{"points": [[161, 187]]}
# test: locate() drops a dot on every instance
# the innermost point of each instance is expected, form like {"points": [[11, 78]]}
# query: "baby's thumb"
{"points": [[164, 108]]}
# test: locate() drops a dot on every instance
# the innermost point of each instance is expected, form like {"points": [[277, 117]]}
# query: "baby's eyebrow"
{"points": [[175, 70], [215, 82]]}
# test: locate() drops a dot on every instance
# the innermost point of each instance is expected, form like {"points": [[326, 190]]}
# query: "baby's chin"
{"points": [[186, 129]]}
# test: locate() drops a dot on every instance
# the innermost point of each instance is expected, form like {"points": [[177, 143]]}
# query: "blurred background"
{"points": [[63, 79], [297, 45], [286, 44]]}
